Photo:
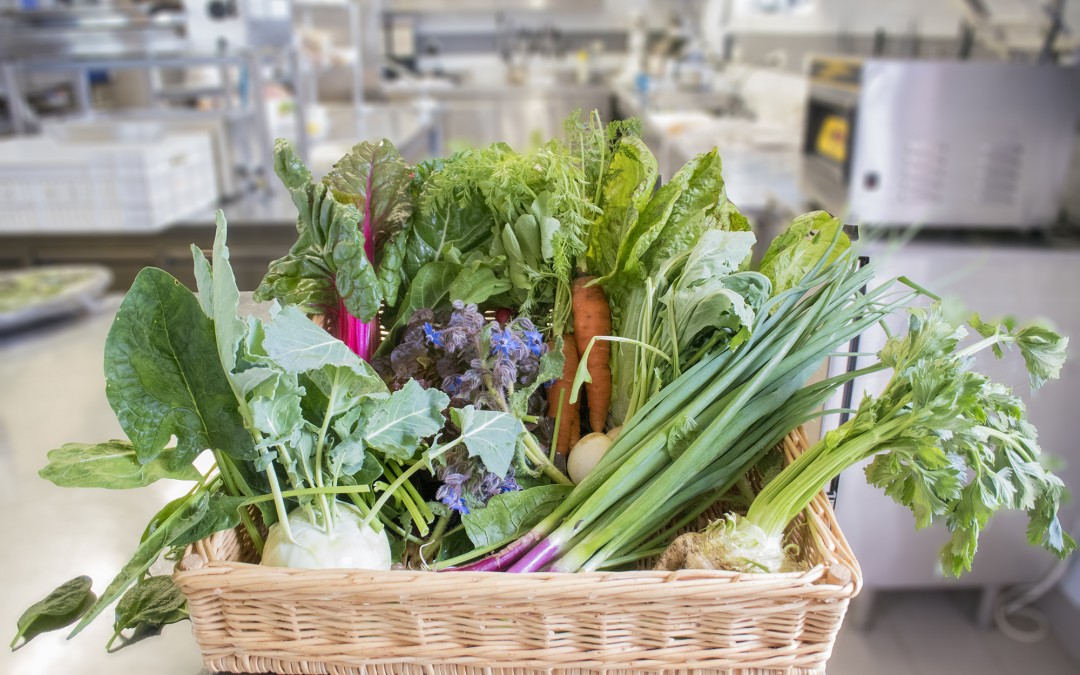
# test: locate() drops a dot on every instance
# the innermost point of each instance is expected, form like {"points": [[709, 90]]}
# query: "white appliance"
{"points": [[1003, 274]]}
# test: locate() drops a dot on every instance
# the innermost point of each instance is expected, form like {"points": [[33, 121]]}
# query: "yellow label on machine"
{"points": [[832, 139]]}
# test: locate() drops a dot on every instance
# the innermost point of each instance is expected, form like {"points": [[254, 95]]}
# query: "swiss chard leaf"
{"points": [[492, 436], [58, 609], [112, 464], [512, 513], [327, 263], [165, 378], [375, 179]]}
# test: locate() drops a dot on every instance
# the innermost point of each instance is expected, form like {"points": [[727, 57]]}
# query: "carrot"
{"points": [[592, 317], [570, 422]]}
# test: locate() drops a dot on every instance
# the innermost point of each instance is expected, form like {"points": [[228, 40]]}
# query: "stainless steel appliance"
{"points": [[939, 143]]}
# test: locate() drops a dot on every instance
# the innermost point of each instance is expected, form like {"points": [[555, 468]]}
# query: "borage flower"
{"points": [[433, 336], [505, 343]]}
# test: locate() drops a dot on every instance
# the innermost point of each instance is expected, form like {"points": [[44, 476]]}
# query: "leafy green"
{"points": [[219, 296], [58, 609], [631, 175], [476, 283], [174, 524], [155, 601], [375, 179], [112, 464], [447, 232], [327, 263], [165, 378], [512, 513], [397, 425], [430, 288], [801, 247], [492, 436]]}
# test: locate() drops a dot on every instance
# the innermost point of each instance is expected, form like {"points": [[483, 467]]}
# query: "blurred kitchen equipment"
{"points": [[220, 24], [47, 185], [939, 143]]}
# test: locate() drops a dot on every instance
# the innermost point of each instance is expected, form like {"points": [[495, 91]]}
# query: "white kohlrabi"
{"points": [[349, 543]]}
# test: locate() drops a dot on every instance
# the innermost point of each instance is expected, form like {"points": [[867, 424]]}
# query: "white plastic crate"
{"points": [[48, 185]]}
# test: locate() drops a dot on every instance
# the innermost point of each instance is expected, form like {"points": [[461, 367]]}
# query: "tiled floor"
{"points": [[933, 633]]}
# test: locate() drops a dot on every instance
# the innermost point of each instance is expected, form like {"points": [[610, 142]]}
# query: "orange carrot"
{"points": [[570, 422], [592, 317]]}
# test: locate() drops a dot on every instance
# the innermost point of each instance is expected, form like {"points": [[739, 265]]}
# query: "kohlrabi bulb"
{"points": [[350, 544]]}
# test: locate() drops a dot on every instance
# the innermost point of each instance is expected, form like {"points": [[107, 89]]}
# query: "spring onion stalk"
{"points": [[712, 405], [948, 443]]}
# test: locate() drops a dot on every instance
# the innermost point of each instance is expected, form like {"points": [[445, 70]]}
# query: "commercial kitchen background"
{"points": [[124, 125]]}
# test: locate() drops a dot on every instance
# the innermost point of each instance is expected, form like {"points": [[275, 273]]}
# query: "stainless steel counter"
{"points": [[53, 393]]}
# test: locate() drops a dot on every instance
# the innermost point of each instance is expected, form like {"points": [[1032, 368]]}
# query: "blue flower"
{"points": [[509, 484], [504, 342], [450, 493], [456, 503], [433, 336], [535, 342]]}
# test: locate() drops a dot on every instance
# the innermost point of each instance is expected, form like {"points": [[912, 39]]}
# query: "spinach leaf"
{"points": [[170, 527], [430, 288], [222, 513], [112, 464], [491, 436], [58, 609], [477, 283], [165, 378], [447, 231], [155, 601], [512, 513], [327, 263]]}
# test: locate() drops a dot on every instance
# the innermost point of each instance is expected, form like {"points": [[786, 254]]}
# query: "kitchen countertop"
{"points": [[54, 393]]}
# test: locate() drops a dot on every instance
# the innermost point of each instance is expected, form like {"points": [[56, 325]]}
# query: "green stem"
{"points": [[300, 492], [320, 443], [425, 460], [536, 455], [558, 427]]}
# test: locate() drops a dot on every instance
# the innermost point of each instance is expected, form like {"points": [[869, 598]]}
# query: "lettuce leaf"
{"points": [[801, 247], [627, 188]]}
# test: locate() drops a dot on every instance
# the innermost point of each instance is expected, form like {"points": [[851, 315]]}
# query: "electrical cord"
{"points": [[1015, 603]]}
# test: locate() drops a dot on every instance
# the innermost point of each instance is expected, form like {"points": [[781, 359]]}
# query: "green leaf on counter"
{"points": [[511, 514], [155, 601], [112, 464], [164, 376], [492, 436], [58, 609]]}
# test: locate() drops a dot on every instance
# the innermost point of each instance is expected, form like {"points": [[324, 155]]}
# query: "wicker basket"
{"points": [[252, 619]]}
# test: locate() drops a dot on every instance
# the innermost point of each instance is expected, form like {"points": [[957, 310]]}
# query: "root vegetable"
{"points": [[592, 317], [351, 543], [569, 430], [586, 454]]}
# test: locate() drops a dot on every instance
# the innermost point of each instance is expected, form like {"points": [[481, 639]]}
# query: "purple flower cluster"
{"points": [[474, 361], [465, 483]]}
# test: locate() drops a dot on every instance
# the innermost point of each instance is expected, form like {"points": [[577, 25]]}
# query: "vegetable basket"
{"points": [[252, 619]]}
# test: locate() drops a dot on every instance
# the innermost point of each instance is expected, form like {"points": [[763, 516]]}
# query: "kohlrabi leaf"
{"points": [[61, 608], [799, 249], [512, 513], [164, 375], [396, 426], [112, 464], [492, 436], [219, 295], [327, 264], [155, 601], [297, 345]]}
